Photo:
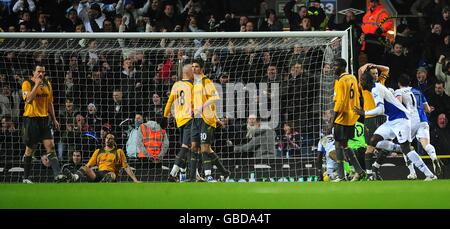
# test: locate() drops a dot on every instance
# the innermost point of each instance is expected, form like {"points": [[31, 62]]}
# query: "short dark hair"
{"points": [[440, 82], [199, 61], [404, 80], [367, 81], [340, 62]]}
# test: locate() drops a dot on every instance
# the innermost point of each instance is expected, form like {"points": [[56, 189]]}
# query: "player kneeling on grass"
{"points": [[109, 159]]}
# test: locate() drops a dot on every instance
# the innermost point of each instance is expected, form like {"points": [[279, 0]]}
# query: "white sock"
{"points": [[388, 145], [409, 165], [411, 169], [175, 170], [431, 151], [418, 162], [376, 165], [330, 172], [369, 171]]}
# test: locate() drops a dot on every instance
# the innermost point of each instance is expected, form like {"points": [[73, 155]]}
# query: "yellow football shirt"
{"points": [[181, 99], [204, 90], [40, 104], [108, 160], [346, 97]]}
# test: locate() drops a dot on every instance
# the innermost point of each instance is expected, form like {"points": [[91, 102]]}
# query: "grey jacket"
{"points": [[262, 144]]}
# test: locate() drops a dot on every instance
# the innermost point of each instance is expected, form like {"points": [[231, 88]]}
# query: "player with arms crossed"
{"points": [[38, 96], [346, 97], [398, 124]]}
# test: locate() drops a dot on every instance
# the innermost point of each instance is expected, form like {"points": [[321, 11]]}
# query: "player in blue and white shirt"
{"points": [[327, 148], [417, 104], [398, 125]]}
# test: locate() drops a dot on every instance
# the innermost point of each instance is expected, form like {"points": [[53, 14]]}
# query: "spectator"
{"points": [[156, 108], [294, 19], [91, 15], [445, 19], [422, 8], [440, 136], [67, 114], [75, 163], [439, 102], [444, 46], [397, 62], [290, 142], [168, 20], [70, 21], [43, 24], [424, 84], [348, 21], [299, 55], [249, 27], [432, 39], [132, 145], [154, 12], [7, 124], [262, 142], [242, 23], [118, 109], [6, 101], [93, 119], [443, 73], [215, 69], [152, 141], [270, 22], [374, 28], [128, 9], [318, 17], [306, 24]]}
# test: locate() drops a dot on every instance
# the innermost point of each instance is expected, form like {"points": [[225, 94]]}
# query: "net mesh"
{"points": [[99, 85]]}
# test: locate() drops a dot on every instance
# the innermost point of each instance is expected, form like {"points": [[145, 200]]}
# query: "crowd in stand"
{"points": [[100, 91]]}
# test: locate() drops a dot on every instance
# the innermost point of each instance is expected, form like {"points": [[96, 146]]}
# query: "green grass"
{"points": [[373, 195]]}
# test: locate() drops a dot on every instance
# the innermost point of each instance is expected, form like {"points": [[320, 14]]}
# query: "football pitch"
{"points": [[260, 195]]}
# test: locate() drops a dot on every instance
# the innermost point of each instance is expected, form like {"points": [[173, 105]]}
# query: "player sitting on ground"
{"points": [[109, 160]]}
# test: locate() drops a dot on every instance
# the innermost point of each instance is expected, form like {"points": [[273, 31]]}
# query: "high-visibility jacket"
{"points": [[154, 141], [373, 19]]}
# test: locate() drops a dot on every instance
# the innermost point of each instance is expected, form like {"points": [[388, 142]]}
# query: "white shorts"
{"points": [[398, 128], [420, 130]]}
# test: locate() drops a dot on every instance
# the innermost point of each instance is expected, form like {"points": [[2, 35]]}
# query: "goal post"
{"points": [[276, 91]]}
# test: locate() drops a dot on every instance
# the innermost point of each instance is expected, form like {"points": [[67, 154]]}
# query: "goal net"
{"points": [[275, 91]]}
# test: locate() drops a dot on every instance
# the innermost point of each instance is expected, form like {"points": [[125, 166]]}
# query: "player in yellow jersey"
{"points": [[38, 95], [109, 159], [379, 73], [180, 99], [346, 97], [205, 97]]}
